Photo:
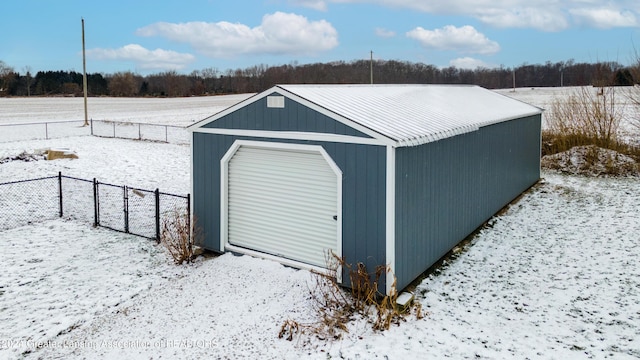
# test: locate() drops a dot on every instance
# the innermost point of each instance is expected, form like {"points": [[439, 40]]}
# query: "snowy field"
{"points": [[172, 111], [543, 97], [554, 276]]}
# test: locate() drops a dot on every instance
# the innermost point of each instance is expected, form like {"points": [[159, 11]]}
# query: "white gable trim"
{"points": [[226, 111], [198, 127], [336, 117], [293, 135]]}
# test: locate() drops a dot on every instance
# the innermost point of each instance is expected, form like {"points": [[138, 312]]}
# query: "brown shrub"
{"points": [[178, 236], [336, 307]]}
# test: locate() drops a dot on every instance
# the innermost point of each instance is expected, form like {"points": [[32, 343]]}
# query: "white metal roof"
{"points": [[404, 115], [415, 114]]}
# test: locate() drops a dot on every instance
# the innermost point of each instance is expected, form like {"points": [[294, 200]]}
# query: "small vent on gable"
{"points": [[275, 102]]}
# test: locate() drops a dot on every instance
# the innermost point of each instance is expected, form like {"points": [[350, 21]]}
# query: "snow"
{"points": [[59, 275], [142, 164], [555, 275], [591, 161]]}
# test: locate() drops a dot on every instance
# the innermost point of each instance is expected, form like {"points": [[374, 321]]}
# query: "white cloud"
{"points": [[384, 33], [279, 33], [465, 39], [469, 63], [545, 15], [146, 59], [605, 18], [541, 19], [319, 5]]}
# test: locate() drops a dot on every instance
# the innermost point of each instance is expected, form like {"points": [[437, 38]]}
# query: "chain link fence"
{"points": [[140, 131], [101, 128], [117, 207], [29, 201], [43, 130]]}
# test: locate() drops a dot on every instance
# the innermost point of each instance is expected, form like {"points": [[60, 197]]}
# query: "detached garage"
{"points": [[381, 174]]}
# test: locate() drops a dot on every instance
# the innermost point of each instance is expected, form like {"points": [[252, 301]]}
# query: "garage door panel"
{"points": [[282, 202], [253, 217], [312, 198], [320, 205]]}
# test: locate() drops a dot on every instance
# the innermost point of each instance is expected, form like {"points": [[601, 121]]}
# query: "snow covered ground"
{"points": [[172, 111], [554, 276]]}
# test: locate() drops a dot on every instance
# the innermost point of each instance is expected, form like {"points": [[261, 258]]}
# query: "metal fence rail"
{"points": [[101, 128], [116, 207]]}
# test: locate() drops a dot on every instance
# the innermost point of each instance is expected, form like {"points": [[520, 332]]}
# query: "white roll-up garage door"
{"points": [[283, 202]]}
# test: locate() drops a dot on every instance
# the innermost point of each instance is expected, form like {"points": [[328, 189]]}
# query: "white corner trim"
{"points": [[391, 217], [191, 208], [224, 198]]}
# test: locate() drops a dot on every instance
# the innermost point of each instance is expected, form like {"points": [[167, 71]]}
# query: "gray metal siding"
{"points": [[447, 189], [363, 194], [293, 117]]}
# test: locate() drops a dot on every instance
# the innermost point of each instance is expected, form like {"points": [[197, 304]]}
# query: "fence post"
{"points": [[60, 192], [46, 131], [114, 129], [126, 209], [157, 194], [189, 217], [139, 132], [96, 204], [166, 134], [91, 126]]}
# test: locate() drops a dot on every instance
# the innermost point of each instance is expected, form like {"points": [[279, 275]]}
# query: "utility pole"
{"points": [[84, 78], [514, 79], [371, 67], [27, 69]]}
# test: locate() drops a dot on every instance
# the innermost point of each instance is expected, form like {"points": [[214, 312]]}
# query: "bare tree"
{"points": [[7, 74], [123, 84]]}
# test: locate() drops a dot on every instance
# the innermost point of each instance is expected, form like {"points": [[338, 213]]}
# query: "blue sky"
{"points": [[151, 36]]}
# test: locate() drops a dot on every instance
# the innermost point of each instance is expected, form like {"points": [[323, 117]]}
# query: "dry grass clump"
{"points": [[589, 116], [336, 307], [178, 237]]}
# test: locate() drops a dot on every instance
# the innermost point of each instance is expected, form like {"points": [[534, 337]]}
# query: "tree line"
{"points": [[211, 81]]}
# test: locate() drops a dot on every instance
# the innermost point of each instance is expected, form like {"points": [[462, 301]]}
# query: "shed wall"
{"points": [[447, 189], [293, 117], [363, 193]]}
